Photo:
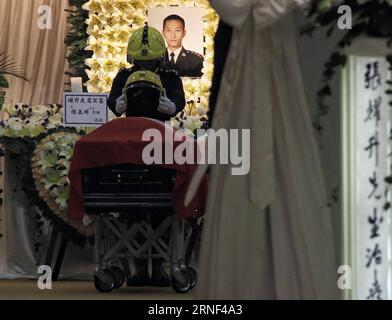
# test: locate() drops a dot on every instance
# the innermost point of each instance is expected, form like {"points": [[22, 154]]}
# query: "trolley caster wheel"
{"points": [[104, 280], [192, 272], [182, 286], [119, 277]]}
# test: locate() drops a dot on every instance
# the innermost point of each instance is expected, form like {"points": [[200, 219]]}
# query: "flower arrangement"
{"points": [[370, 18], [30, 121], [109, 30], [42, 150], [189, 122]]}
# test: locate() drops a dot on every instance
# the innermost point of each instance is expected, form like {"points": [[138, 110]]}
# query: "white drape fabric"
{"points": [[268, 234], [18, 258]]}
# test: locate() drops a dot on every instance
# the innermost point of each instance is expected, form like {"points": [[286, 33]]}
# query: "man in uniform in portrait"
{"points": [[188, 63]]}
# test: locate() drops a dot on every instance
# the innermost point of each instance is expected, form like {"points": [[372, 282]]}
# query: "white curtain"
{"points": [[41, 51], [18, 258], [43, 54]]}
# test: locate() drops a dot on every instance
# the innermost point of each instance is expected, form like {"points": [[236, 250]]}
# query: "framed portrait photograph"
{"points": [[182, 28]]}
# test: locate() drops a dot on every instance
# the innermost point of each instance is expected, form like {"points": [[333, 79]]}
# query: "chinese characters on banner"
{"points": [[372, 166], [84, 109]]}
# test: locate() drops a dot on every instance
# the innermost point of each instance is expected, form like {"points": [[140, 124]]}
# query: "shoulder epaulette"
{"points": [[195, 53]]}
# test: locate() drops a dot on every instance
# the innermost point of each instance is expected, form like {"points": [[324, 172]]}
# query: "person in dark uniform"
{"points": [[146, 50], [188, 63], [170, 81], [173, 102]]}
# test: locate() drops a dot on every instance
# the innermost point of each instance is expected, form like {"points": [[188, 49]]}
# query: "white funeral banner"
{"points": [[366, 164]]}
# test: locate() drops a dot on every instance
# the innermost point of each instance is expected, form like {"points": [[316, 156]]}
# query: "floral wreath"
{"points": [[50, 166]]}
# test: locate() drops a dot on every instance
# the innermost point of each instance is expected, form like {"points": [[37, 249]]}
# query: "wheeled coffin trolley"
{"points": [[118, 195]]}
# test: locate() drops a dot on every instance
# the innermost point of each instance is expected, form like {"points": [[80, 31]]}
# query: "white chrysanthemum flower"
{"points": [[39, 110], [15, 124], [55, 121]]}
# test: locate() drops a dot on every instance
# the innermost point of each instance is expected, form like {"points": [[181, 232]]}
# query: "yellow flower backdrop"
{"points": [[111, 23]]}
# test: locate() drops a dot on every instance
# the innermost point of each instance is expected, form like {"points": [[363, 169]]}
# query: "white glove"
{"points": [[121, 105], [167, 106]]}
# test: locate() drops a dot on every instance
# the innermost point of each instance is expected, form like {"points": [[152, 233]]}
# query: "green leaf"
{"points": [[3, 82], [2, 99], [8, 66]]}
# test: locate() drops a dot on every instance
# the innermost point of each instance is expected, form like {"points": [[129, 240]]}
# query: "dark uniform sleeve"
{"points": [[190, 64], [197, 64], [174, 89], [199, 67], [117, 87]]}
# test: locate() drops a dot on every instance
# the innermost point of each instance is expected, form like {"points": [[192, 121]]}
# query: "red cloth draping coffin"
{"points": [[119, 142]]}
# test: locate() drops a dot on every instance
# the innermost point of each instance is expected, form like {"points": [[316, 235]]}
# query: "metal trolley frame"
{"points": [[116, 195]]}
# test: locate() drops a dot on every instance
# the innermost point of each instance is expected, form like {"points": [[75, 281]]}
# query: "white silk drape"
{"points": [[267, 235]]}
